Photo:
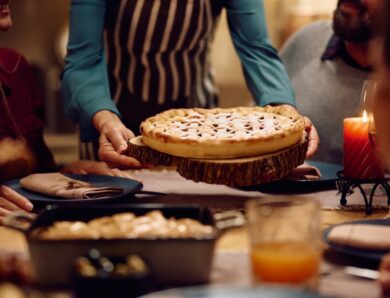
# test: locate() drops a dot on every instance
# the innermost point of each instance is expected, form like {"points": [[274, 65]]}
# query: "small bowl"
{"points": [[100, 276]]}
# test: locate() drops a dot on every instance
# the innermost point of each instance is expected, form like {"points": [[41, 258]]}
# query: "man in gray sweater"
{"points": [[327, 63]]}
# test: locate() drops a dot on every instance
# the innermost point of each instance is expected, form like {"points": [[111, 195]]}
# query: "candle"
{"points": [[361, 161]]}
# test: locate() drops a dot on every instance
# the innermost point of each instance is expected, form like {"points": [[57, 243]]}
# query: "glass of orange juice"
{"points": [[285, 240]]}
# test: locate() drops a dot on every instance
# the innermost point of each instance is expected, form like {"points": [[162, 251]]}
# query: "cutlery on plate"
{"points": [[361, 272]]}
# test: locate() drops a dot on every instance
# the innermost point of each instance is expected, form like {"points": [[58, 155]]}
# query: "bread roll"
{"points": [[16, 159]]}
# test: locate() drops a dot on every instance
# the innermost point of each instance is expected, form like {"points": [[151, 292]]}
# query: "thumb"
{"points": [[128, 134]]}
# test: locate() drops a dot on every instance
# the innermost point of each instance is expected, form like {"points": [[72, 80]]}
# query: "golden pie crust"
{"points": [[223, 133]]}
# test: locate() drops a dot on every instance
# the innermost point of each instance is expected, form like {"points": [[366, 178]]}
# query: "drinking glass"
{"points": [[285, 240], [369, 92]]}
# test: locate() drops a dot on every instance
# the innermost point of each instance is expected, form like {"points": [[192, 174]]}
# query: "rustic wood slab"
{"points": [[232, 172], [146, 155]]}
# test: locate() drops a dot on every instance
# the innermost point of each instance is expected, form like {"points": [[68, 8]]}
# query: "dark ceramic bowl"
{"points": [[105, 284]]}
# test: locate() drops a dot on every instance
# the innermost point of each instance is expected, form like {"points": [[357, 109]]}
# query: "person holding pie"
{"points": [[129, 60]]}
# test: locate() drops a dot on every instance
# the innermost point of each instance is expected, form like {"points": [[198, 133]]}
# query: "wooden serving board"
{"points": [[246, 171]]}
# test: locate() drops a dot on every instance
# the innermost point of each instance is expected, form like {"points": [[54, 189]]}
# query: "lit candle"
{"points": [[361, 161]]}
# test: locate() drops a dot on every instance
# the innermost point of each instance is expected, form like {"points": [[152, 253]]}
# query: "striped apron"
{"points": [[158, 57]]}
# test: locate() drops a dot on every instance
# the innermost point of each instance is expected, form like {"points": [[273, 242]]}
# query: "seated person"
{"points": [[22, 147], [327, 63]]}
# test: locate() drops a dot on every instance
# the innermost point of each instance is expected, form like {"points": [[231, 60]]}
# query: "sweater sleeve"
{"points": [[85, 89], [264, 72]]}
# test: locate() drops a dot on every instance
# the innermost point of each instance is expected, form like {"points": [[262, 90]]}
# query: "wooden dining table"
{"points": [[231, 266]]}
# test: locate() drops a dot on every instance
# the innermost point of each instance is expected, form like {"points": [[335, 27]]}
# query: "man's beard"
{"points": [[353, 28]]}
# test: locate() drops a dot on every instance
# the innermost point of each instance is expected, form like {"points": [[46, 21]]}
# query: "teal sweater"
{"points": [[85, 87]]}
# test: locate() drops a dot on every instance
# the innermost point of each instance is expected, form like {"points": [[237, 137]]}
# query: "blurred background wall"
{"points": [[39, 27], [36, 24]]}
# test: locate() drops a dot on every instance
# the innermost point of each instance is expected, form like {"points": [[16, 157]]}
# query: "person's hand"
{"points": [[11, 201], [384, 274], [112, 141], [313, 137], [15, 267], [93, 167]]}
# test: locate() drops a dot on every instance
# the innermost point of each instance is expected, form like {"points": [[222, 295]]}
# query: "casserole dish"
{"points": [[178, 261]]}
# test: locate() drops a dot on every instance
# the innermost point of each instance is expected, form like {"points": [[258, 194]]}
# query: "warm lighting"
{"points": [[361, 161], [365, 117]]}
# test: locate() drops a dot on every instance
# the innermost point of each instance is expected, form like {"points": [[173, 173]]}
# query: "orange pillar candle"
{"points": [[361, 161]]}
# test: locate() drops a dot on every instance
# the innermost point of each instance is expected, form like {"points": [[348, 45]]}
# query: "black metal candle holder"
{"points": [[347, 183]]}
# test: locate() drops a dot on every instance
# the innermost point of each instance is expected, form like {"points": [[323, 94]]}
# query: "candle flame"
{"points": [[365, 117]]}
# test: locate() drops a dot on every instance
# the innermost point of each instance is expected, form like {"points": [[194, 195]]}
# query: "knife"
{"points": [[362, 272]]}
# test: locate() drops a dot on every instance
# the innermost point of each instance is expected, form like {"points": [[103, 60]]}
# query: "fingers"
{"points": [[117, 160], [11, 200], [100, 168], [112, 141], [7, 205], [108, 154], [128, 134], [117, 139], [384, 278], [118, 173], [385, 263], [109, 125], [313, 138], [94, 167], [313, 142], [77, 167], [4, 212], [123, 174]]}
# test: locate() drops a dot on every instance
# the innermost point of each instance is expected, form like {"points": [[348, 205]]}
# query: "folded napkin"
{"points": [[58, 185], [365, 236], [304, 172]]}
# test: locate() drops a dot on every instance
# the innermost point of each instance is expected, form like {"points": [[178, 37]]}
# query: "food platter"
{"points": [[173, 261], [237, 147]]}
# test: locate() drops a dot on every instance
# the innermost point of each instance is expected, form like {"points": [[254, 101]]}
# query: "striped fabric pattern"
{"points": [[166, 54], [158, 58]]}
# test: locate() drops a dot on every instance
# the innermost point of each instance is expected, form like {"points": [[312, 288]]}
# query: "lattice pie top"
{"points": [[223, 133]]}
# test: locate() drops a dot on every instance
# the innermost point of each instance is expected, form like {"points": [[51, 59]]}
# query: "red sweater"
{"points": [[25, 104]]}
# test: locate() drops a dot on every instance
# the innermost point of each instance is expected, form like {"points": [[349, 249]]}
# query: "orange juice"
{"points": [[285, 262]]}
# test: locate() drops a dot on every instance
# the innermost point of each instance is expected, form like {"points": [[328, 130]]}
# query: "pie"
{"points": [[126, 226], [223, 133]]}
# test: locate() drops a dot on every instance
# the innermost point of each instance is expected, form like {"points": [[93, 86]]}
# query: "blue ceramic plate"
{"points": [[371, 255], [129, 187], [232, 292], [327, 181]]}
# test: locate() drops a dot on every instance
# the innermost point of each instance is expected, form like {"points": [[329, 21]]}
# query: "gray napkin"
{"points": [[58, 185]]}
